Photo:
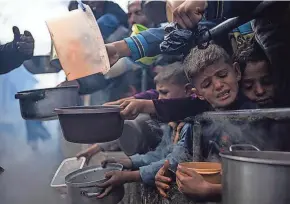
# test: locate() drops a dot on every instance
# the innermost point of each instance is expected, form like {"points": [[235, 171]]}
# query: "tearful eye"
{"points": [[222, 74]]}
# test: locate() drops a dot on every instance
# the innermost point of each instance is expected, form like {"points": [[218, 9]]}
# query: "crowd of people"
{"points": [[239, 71], [245, 69]]}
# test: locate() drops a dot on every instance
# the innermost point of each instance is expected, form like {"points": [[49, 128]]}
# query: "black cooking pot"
{"points": [[39, 104], [90, 124]]}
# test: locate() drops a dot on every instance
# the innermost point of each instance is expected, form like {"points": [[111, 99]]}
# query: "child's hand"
{"points": [[88, 153], [162, 181], [118, 102], [190, 182], [125, 161], [116, 178], [132, 108]]}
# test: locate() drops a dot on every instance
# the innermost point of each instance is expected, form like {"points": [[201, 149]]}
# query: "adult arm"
{"points": [[13, 54], [145, 44], [10, 58]]}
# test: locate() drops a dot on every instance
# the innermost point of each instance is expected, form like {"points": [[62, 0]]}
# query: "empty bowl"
{"points": [[90, 124]]}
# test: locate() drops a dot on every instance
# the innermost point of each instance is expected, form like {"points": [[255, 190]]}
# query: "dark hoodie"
{"points": [[10, 58]]}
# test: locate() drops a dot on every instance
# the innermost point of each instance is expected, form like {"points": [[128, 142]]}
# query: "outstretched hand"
{"points": [[24, 43]]}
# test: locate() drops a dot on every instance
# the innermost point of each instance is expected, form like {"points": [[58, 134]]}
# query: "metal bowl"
{"points": [[83, 185], [90, 124], [91, 176]]}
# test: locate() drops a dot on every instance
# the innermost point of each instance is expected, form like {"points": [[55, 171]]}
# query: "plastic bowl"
{"points": [[210, 171], [210, 166]]}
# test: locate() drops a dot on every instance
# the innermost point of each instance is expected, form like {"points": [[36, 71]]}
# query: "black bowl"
{"points": [[90, 124]]}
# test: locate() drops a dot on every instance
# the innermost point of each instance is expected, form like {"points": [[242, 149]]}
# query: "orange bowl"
{"points": [[202, 165], [210, 171]]}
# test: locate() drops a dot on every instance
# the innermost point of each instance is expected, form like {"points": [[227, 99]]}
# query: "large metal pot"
{"points": [[82, 186], [254, 177], [39, 104]]}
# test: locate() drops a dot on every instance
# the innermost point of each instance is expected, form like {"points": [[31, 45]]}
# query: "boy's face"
{"points": [[169, 90], [218, 84], [257, 83]]}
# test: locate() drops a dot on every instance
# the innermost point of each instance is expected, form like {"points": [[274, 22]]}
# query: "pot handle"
{"points": [[243, 145], [35, 96], [90, 195]]}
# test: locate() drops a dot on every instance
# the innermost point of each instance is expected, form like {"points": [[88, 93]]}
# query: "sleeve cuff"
{"points": [[136, 161], [135, 54], [138, 46], [147, 175]]}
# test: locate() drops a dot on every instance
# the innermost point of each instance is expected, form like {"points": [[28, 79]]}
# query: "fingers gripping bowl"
{"points": [[90, 124], [83, 185]]}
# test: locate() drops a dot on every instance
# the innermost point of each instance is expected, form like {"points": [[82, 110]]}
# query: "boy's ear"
{"points": [[195, 91], [237, 70], [188, 89]]}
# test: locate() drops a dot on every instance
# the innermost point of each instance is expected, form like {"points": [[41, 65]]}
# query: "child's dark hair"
{"points": [[173, 73], [253, 53], [199, 59]]}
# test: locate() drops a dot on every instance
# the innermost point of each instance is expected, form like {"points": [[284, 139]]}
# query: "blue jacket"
{"points": [[149, 163]]}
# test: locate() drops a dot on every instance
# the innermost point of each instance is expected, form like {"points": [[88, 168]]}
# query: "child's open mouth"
{"points": [[224, 95]]}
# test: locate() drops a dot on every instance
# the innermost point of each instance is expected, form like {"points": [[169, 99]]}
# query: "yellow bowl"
{"points": [[210, 171], [202, 165]]}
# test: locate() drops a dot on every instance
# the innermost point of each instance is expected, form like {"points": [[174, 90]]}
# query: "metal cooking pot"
{"points": [[39, 104], [250, 177], [82, 186]]}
